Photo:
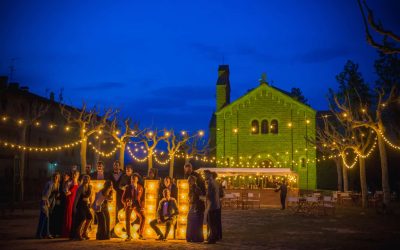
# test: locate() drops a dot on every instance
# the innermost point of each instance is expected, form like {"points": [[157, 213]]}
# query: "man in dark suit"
{"points": [[115, 177], [212, 206], [99, 173], [133, 200], [126, 177], [199, 180], [167, 183], [166, 214], [283, 189]]}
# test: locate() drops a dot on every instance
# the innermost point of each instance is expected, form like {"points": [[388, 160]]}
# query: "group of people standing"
{"points": [[65, 208], [205, 201]]}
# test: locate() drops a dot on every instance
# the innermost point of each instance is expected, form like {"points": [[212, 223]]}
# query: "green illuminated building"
{"points": [[266, 127]]}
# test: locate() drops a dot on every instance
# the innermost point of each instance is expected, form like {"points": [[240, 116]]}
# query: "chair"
{"points": [[335, 196], [345, 198], [254, 198], [244, 199], [292, 203], [312, 204], [236, 199], [328, 204], [228, 199], [316, 195]]}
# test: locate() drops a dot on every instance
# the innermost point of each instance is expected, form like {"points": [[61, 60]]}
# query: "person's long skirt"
{"points": [[194, 229], [56, 220], [212, 225], [68, 213], [43, 225], [103, 225]]}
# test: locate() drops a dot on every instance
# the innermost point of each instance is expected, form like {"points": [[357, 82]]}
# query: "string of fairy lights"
{"points": [[163, 158]]}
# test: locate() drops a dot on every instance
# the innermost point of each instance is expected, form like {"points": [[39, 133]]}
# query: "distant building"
{"points": [[263, 128], [17, 104]]}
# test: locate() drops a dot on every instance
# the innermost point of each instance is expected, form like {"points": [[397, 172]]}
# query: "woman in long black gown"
{"points": [[100, 206], [81, 210], [194, 229]]}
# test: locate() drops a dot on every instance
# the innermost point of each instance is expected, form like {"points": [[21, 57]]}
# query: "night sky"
{"points": [[157, 62]]}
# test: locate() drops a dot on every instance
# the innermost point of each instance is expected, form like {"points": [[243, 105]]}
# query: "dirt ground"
{"points": [[270, 228]]}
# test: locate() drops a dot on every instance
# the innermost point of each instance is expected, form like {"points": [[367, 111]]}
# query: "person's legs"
{"points": [[219, 224], [106, 214], [88, 220], [142, 220], [153, 225], [168, 224], [39, 230], [199, 227], [46, 224], [128, 212], [213, 226], [283, 201], [100, 234]]}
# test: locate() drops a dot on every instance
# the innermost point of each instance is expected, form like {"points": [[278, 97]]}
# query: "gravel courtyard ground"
{"points": [[350, 228]]}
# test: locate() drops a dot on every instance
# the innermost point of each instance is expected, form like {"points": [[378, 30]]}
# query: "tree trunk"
{"points": [[345, 177], [22, 164], [122, 155], [363, 183], [96, 156], [83, 155], [150, 160], [171, 166], [339, 174], [384, 169]]}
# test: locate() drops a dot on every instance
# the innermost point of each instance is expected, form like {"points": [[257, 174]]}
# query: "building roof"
{"points": [[249, 171], [274, 89]]}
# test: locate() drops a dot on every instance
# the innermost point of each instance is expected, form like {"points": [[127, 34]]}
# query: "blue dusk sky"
{"points": [[157, 61]]}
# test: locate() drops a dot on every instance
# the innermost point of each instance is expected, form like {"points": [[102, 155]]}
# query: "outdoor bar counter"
{"points": [[254, 187]]}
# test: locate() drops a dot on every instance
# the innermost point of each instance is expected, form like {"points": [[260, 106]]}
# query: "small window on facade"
{"points": [[254, 127], [303, 162], [274, 127], [264, 127]]}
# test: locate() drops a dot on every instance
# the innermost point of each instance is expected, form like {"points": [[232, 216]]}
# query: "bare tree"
{"points": [[30, 113], [371, 117], [123, 137], [150, 139], [362, 143], [369, 22], [196, 146], [174, 144], [326, 143], [88, 121]]}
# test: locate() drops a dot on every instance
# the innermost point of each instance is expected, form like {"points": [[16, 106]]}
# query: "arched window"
{"points": [[274, 127], [254, 127], [303, 162], [264, 127]]}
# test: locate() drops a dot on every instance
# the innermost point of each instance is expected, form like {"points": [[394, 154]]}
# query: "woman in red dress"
{"points": [[70, 192]]}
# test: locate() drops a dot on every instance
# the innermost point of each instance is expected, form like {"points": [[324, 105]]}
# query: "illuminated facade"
{"points": [[263, 128]]}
